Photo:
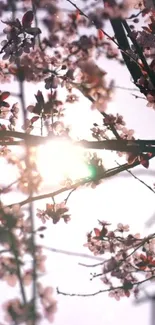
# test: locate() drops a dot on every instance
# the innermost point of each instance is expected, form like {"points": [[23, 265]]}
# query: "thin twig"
{"points": [[136, 15], [68, 253], [138, 97], [4, 189], [138, 179], [69, 194], [92, 265], [126, 88], [100, 291]]}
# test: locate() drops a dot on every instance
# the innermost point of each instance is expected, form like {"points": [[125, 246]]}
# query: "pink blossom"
{"points": [[117, 294]]}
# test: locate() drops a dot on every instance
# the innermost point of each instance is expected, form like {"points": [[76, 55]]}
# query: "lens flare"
{"points": [[58, 160]]}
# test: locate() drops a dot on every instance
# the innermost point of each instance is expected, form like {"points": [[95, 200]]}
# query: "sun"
{"points": [[60, 159]]}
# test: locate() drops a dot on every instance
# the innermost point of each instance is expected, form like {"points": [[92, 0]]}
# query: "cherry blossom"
{"points": [[63, 56]]}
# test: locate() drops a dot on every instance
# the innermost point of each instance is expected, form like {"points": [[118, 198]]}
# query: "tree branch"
{"points": [[108, 173], [150, 73], [135, 146], [105, 33], [15, 253], [100, 291], [138, 179], [121, 38], [68, 253]]}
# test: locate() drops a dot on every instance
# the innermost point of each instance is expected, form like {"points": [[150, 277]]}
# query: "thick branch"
{"points": [[28, 138], [135, 146], [134, 68], [139, 51], [121, 38]]}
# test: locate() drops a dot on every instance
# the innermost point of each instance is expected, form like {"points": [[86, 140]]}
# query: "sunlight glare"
{"points": [[58, 160]]}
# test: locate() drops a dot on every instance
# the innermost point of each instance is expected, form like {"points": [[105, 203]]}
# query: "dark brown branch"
{"points": [[136, 15], [29, 138], [121, 38], [135, 146], [132, 65], [139, 51]]}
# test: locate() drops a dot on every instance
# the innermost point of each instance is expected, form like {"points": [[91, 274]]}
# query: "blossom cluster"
{"points": [[130, 257], [67, 57]]}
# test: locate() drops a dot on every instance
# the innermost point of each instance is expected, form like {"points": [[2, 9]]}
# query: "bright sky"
{"points": [[120, 199]]}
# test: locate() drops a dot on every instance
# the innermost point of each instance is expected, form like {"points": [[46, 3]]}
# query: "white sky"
{"points": [[120, 199]]}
